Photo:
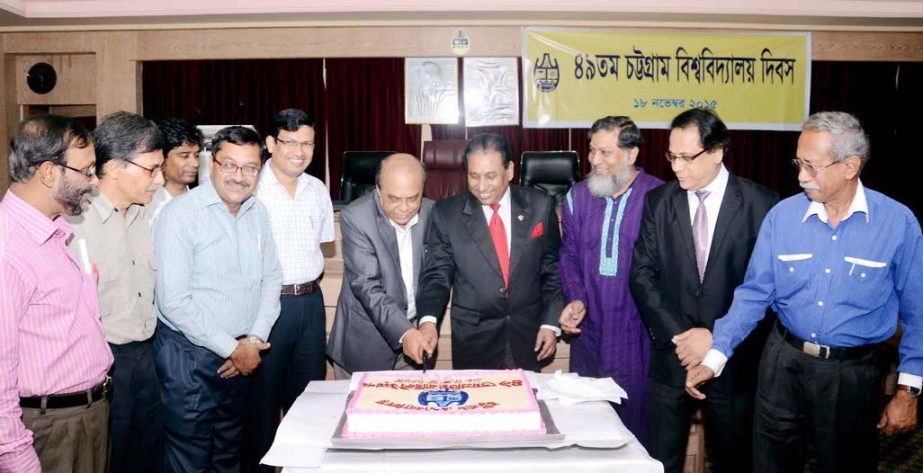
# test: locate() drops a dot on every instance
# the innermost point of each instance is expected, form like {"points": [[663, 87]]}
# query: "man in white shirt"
{"points": [[697, 233], [182, 144], [383, 235], [301, 215]]}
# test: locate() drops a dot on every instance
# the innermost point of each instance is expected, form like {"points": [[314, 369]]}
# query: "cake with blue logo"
{"points": [[447, 403]]}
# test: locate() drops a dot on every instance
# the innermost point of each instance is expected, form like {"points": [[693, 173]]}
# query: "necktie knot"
{"points": [[702, 195], [494, 207]]}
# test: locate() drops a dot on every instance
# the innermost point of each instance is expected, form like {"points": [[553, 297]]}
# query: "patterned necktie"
{"points": [[498, 235], [700, 234]]}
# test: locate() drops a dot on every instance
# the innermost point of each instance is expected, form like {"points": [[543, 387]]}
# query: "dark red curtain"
{"points": [[365, 110], [234, 92]]}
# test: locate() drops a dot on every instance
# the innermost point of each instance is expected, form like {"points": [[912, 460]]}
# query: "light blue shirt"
{"points": [[218, 276], [841, 287]]}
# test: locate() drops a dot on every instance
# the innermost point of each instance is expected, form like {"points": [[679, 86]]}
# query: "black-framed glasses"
{"points": [[231, 168], [811, 169], [295, 144], [89, 173], [153, 171], [684, 159]]}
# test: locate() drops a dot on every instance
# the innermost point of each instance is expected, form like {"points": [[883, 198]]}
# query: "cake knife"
{"points": [[425, 361]]}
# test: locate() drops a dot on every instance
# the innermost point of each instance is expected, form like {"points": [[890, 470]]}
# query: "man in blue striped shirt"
{"points": [[217, 293], [838, 263]]}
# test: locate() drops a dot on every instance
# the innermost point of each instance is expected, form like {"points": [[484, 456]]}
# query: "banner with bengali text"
{"points": [[754, 81]]}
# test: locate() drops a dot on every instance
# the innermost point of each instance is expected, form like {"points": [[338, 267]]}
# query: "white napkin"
{"points": [[570, 389]]}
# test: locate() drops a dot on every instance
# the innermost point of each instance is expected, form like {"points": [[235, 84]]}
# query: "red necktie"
{"points": [[498, 235]]}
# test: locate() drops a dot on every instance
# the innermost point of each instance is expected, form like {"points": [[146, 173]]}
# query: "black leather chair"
{"points": [[358, 175], [551, 171]]}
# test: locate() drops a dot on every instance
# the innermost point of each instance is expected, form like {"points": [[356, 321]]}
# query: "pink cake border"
{"points": [[533, 405], [465, 433], [542, 430]]}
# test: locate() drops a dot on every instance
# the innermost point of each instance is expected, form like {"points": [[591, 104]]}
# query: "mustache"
{"points": [[810, 185]]}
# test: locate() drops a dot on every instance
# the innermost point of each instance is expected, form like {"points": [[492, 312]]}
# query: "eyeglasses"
{"points": [[231, 168], [811, 169], [295, 144], [684, 159], [153, 171], [89, 173]]}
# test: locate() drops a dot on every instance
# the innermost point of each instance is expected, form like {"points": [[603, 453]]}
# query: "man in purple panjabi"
{"points": [[601, 218]]}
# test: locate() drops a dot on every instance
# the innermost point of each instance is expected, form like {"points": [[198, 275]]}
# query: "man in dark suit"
{"points": [[697, 234], [382, 255], [495, 246]]}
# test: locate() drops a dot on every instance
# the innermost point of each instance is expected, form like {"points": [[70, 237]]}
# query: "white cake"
{"points": [[453, 403]]}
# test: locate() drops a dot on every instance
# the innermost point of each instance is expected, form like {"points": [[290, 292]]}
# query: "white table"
{"points": [[590, 429]]}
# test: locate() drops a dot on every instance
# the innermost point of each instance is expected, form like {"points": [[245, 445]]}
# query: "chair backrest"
{"points": [[551, 171], [445, 174], [358, 176]]}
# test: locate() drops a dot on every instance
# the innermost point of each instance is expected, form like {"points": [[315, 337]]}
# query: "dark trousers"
{"points": [[72, 439], [203, 414], [728, 427], [296, 357], [135, 419], [833, 404]]}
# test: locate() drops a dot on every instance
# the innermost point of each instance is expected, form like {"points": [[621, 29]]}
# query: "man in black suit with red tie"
{"points": [[697, 233], [495, 246]]}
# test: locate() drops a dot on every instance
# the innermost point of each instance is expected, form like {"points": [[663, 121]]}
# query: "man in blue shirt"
{"points": [[838, 264], [217, 294]]}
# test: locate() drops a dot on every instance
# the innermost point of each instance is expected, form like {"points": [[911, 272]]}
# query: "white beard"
{"points": [[608, 186]]}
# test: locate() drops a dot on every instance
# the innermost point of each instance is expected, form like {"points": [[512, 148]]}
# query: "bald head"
{"points": [[400, 187]]}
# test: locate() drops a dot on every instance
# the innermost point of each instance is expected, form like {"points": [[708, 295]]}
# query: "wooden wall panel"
{"points": [[76, 83], [385, 41], [9, 113], [867, 46]]}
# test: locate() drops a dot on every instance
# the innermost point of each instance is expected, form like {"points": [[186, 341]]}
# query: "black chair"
{"points": [[358, 175], [551, 171]]}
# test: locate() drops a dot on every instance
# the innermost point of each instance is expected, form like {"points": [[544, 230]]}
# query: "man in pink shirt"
{"points": [[53, 353]]}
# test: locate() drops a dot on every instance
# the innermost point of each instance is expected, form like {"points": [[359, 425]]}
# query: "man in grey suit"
{"points": [[382, 255]]}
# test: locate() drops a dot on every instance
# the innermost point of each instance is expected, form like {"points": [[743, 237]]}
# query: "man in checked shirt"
{"points": [[301, 216]]}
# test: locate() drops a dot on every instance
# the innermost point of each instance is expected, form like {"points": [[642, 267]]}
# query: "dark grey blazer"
{"points": [[371, 314]]}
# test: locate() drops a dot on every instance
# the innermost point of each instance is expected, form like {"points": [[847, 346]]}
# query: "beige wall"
{"points": [[102, 68]]}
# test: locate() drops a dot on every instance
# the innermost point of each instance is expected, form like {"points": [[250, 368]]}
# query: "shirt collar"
{"points": [[268, 178], [210, 197], [103, 206], [504, 201], [858, 204], [406, 228], [717, 186], [35, 223]]}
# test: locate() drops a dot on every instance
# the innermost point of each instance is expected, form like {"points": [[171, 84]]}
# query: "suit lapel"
{"points": [[520, 219], [387, 235], [417, 233], [679, 207], [730, 205], [476, 224]]}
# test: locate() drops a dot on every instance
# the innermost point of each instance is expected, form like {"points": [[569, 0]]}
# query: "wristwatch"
{"points": [[254, 339], [914, 391]]}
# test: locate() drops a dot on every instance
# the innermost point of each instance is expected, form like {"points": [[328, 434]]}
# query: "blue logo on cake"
{"points": [[443, 398]]}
